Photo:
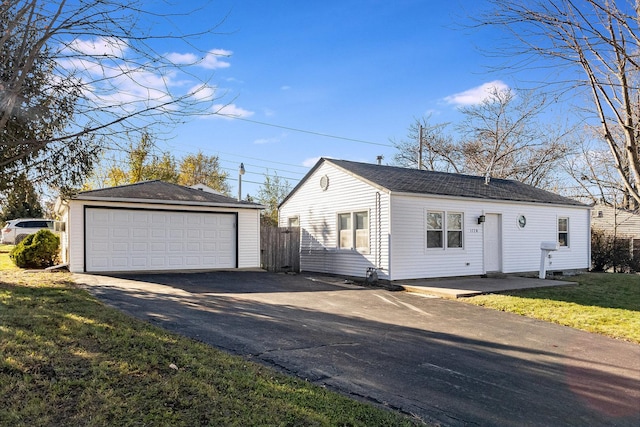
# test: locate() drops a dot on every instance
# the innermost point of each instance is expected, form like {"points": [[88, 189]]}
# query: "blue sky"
{"points": [[359, 70]]}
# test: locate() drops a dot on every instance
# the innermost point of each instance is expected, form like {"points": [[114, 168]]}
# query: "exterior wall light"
{"points": [[481, 219]]}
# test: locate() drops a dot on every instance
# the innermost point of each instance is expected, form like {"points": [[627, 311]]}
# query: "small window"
{"points": [[563, 232], [434, 230], [344, 231], [362, 230], [294, 221], [454, 230]]}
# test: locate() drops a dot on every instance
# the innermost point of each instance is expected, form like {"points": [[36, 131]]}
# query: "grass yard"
{"points": [[67, 359], [603, 303], [5, 261]]}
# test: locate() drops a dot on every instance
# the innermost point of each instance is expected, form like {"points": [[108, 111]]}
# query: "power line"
{"points": [[326, 135]]}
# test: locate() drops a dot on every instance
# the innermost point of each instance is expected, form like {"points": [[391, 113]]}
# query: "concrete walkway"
{"points": [[460, 287]]}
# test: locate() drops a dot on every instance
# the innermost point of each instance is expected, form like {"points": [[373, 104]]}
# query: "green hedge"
{"points": [[37, 250]]}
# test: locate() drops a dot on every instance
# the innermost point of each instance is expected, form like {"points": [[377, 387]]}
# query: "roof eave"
{"points": [[485, 199], [168, 202]]}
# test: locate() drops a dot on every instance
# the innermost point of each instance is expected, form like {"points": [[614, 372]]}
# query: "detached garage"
{"points": [[158, 226]]}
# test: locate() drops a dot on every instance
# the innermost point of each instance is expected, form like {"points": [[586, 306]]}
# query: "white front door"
{"points": [[492, 243]]}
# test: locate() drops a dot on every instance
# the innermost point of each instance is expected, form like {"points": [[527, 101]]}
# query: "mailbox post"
{"points": [[545, 248]]}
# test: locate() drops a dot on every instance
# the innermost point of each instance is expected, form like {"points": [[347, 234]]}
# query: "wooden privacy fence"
{"points": [[280, 248]]}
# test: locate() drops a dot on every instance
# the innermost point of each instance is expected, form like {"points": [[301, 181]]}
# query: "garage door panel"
{"points": [[137, 240], [139, 247], [158, 246]]}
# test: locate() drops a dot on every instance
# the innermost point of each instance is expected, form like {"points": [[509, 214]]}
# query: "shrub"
{"points": [[609, 252], [37, 250]]}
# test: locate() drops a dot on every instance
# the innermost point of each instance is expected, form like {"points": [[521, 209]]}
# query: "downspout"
{"points": [[378, 216]]}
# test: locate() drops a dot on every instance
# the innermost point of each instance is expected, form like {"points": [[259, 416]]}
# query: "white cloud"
{"points": [[203, 92], [271, 140], [476, 95], [285, 87], [100, 46], [212, 60], [181, 58], [310, 162], [231, 111]]}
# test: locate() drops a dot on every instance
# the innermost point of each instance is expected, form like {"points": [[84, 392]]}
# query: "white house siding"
{"points": [[520, 249], [317, 210], [616, 221], [248, 236]]}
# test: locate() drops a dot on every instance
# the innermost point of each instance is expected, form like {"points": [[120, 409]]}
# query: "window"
{"points": [[362, 231], [563, 232], [454, 230], [353, 231], [344, 231], [434, 230], [294, 221], [437, 223]]}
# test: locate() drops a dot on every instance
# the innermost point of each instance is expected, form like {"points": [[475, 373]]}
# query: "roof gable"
{"points": [[404, 180], [161, 191]]}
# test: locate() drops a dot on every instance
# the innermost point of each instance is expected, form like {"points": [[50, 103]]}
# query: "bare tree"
{"points": [[598, 44], [75, 76], [438, 149], [503, 137]]}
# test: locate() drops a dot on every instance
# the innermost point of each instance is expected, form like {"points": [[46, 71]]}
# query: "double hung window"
{"points": [[563, 232], [353, 231], [444, 229]]}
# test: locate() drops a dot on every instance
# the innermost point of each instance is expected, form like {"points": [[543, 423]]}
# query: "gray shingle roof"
{"points": [[403, 180], [162, 191]]}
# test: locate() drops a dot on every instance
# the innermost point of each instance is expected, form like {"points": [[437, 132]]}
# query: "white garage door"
{"points": [[139, 240]]}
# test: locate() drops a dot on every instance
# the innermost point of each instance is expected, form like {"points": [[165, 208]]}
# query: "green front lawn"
{"points": [[5, 261], [67, 359], [603, 303]]}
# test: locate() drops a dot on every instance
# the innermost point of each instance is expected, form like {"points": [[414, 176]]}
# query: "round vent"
{"points": [[324, 182]]}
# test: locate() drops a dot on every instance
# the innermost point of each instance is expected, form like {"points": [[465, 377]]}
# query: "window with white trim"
{"points": [[434, 230], [454, 230], [445, 230], [563, 232], [353, 231], [294, 221]]}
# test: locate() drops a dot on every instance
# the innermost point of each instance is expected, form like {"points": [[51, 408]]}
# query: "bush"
{"points": [[37, 250], [609, 252]]}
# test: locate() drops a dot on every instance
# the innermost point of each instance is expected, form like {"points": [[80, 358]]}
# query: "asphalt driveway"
{"points": [[444, 361]]}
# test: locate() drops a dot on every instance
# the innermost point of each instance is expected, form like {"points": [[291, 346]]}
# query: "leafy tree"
{"points": [[76, 76], [36, 107], [144, 162], [597, 44], [22, 201], [201, 169], [272, 192]]}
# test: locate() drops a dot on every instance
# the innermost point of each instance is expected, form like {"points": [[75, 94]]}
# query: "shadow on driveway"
{"points": [[444, 362]]}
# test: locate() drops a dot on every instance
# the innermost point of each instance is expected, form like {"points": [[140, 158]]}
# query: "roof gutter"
{"points": [[171, 202]]}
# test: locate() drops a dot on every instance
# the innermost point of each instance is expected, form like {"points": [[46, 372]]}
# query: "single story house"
{"points": [[617, 221], [357, 218], [158, 226]]}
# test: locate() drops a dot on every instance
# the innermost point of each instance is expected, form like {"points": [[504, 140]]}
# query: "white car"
{"points": [[17, 229]]}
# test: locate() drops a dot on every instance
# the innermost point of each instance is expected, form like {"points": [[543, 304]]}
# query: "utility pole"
{"points": [[420, 148]]}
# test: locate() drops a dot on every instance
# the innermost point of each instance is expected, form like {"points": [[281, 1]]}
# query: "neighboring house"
{"points": [[356, 218], [158, 226], [621, 222]]}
